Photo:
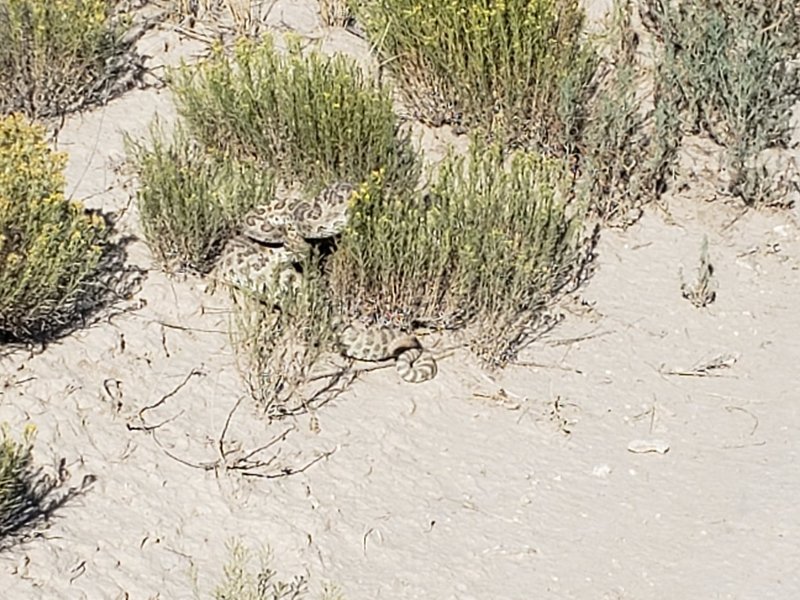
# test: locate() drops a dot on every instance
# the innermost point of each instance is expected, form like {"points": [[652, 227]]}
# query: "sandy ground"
{"points": [[447, 489]]}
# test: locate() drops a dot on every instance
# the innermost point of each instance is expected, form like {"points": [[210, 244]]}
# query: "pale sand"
{"points": [[431, 491]]}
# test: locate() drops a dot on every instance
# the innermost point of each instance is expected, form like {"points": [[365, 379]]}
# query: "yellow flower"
{"points": [[98, 222], [13, 259]]}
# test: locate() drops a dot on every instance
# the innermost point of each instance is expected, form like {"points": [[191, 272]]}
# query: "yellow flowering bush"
{"points": [[56, 55], [491, 245], [50, 247], [516, 69], [15, 478], [312, 118]]}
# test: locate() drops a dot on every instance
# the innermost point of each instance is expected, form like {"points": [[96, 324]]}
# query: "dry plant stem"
{"points": [[705, 369], [164, 398], [227, 462]]}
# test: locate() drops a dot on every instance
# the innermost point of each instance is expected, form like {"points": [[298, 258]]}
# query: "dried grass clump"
{"points": [[280, 336], [336, 13]]}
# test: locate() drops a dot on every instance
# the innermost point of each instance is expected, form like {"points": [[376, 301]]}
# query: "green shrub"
{"points": [[626, 152], [56, 261], [26, 494], [190, 201], [241, 582], [315, 119], [491, 245], [16, 479], [729, 66], [517, 68], [59, 55]]}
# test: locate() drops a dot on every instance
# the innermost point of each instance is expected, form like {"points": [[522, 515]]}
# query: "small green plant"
{"points": [[241, 582], [190, 200], [60, 55], [313, 118], [491, 245], [516, 68], [729, 65], [56, 259], [703, 291]]}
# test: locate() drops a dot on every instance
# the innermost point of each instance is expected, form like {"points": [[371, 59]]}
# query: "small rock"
{"points": [[643, 446]]}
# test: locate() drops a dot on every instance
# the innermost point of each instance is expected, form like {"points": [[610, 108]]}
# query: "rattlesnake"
{"points": [[275, 237]]}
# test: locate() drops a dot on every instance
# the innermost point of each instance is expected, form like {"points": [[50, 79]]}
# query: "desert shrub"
{"points": [[280, 336], [190, 200], [730, 66], [60, 55], [314, 118], [490, 246], [56, 259], [23, 490], [519, 68], [28, 495], [242, 582], [15, 478], [626, 151]]}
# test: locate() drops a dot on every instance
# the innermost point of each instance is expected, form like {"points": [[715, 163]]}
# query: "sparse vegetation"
{"points": [[519, 69], [280, 336], [57, 263], [241, 582], [190, 201], [313, 118], [729, 67], [60, 55]]}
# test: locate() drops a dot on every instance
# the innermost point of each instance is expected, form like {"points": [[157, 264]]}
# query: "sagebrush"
{"points": [[627, 151], [730, 67]]}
